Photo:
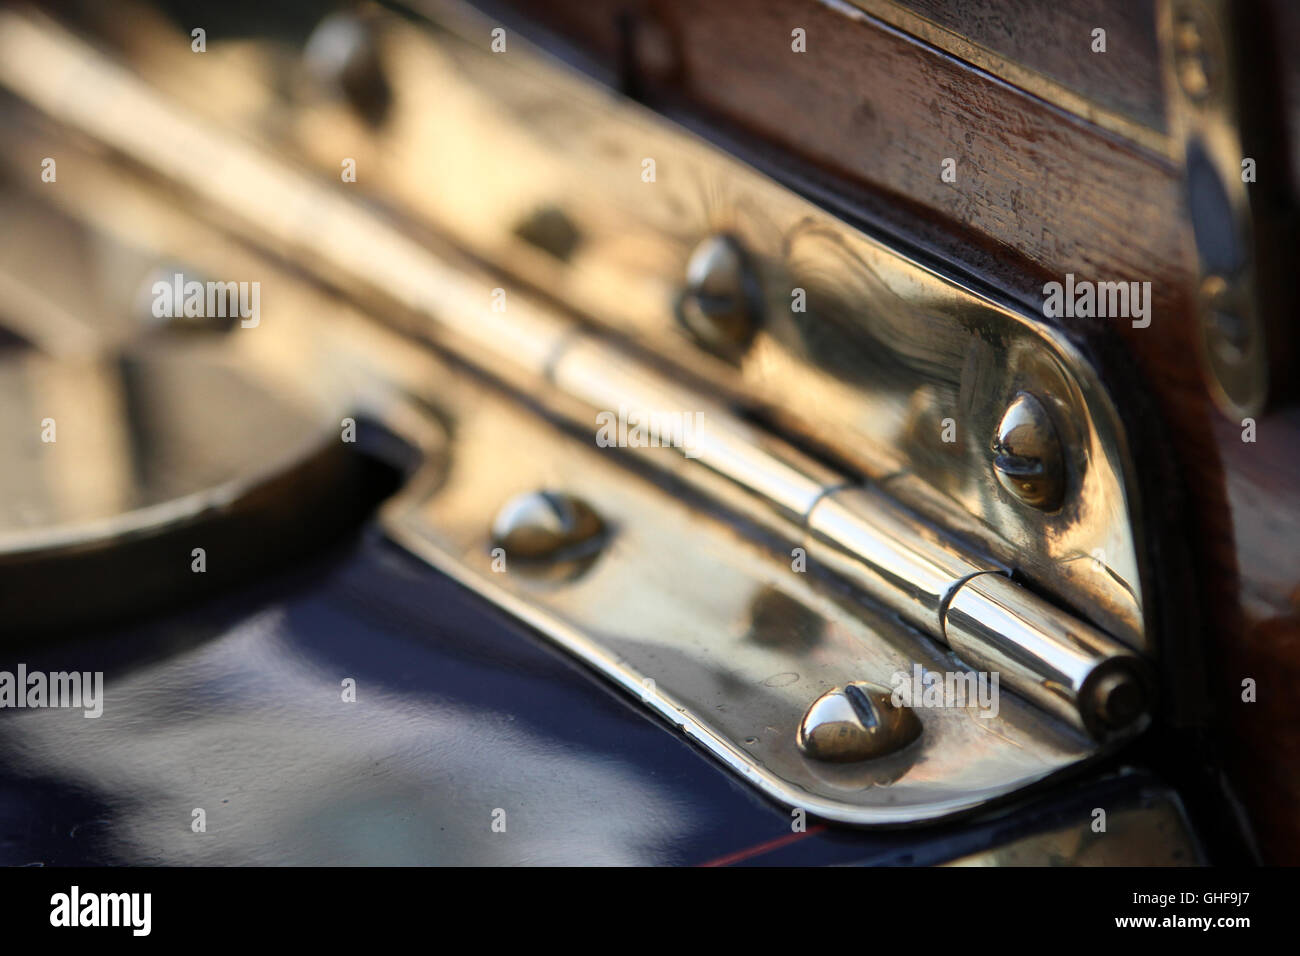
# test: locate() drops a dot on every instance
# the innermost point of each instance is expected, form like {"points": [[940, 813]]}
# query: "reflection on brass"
{"points": [[856, 722], [1028, 457], [878, 772], [778, 621], [149, 478], [1064, 667], [1153, 833]]}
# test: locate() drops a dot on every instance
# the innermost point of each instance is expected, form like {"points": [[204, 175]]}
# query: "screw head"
{"points": [[1028, 459], [856, 722], [342, 55], [721, 303], [176, 276], [548, 528]]}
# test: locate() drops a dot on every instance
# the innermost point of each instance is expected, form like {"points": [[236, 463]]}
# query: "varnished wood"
{"points": [[1048, 37]]}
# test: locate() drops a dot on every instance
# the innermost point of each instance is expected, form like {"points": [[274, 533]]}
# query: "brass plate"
{"points": [[711, 630], [888, 359]]}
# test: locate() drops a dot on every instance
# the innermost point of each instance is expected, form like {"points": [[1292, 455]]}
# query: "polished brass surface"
{"points": [[856, 722], [684, 609], [867, 540], [710, 629], [124, 454], [151, 464], [897, 372], [891, 555], [1057, 662], [1027, 454], [693, 618], [1152, 832], [1050, 657]]}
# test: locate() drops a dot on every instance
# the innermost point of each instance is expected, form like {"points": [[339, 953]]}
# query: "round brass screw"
{"points": [[721, 303], [1028, 459], [856, 722], [343, 56], [547, 527]]}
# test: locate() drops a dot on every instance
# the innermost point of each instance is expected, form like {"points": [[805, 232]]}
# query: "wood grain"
{"points": [[1048, 38]]}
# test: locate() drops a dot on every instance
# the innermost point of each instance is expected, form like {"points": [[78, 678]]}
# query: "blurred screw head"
{"points": [[541, 528], [157, 307], [342, 55], [721, 303]]}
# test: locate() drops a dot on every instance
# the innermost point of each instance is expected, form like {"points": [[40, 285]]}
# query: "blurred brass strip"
{"points": [[1153, 832], [889, 555], [57, 332]]}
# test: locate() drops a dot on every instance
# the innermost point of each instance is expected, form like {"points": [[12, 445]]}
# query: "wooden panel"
{"points": [[1048, 38]]}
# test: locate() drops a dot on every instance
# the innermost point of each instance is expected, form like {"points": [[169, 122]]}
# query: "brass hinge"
{"points": [[984, 498]]}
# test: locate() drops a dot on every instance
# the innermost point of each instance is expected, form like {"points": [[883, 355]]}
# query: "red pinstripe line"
{"points": [[760, 848]]}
